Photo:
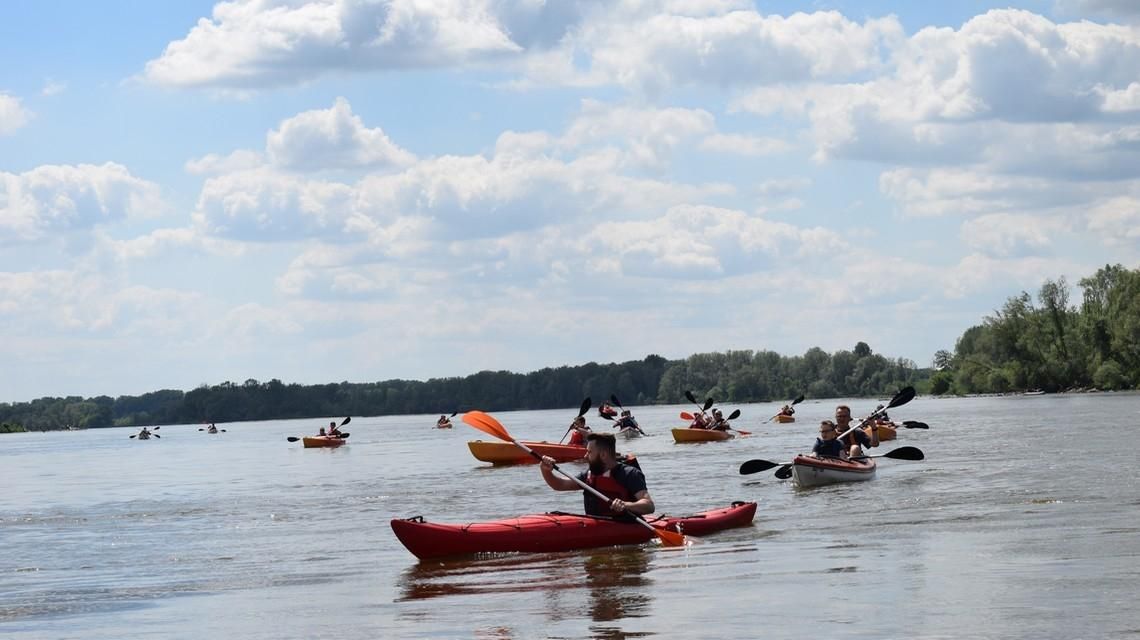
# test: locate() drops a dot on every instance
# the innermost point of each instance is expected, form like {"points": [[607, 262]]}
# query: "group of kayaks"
{"points": [[557, 531]]}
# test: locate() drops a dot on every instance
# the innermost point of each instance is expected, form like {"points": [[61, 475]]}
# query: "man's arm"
{"points": [[555, 482]]}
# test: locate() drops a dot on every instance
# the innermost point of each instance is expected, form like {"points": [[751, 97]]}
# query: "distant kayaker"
{"points": [[856, 439], [827, 444], [606, 409], [144, 434], [211, 428], [333, 430], [627, 421], [718, 422], [623, 484], [700, 421], [579, 431], [787, 410], [322, 432], [443, 423]]}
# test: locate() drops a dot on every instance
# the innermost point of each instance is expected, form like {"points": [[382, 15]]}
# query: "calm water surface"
{"points": [[1021, 523]]}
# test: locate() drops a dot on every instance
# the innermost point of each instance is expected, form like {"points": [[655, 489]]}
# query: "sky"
{"points": [[360, 190]]}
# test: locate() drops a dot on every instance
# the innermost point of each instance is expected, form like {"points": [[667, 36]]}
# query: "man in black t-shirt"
{"points": [[622, 484]]}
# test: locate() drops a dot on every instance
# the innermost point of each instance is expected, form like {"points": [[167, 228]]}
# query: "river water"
{"points": [[1022, 522]]}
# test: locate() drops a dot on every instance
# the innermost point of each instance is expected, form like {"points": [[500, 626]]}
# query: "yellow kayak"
{"points": [[685, 434]]}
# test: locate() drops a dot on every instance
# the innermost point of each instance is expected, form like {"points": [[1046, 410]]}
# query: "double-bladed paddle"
{"points": [[708, 401], [221, 430], [152, 432], [341, 436], [798, 400], [489, 425], [902, 453], [581, 412], [914, 424]]}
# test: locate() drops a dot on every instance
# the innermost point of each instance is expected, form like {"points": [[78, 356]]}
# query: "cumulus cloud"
{"points": [[663, 47], [333, 138], [13, 115], [54, 199], [744, 145], [1012, 234], [945, 86], [212, 163], [261, 43], [1116, 220]]}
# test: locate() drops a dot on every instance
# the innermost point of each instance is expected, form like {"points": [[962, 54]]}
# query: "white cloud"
{"points": [[54, 199], [961, 192], [744, 145], [1011, 234], [332, 138], [213, 164], [13, 115], [260, 43], [1116, 220], [52, 87], [730, 48], [951, 95], [263, 206]]}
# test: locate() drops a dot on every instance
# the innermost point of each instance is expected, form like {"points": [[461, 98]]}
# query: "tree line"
{"points": [[733, 376], [1051, 344]]}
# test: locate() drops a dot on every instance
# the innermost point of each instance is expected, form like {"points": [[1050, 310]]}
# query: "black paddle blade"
{"points": [[453, 413], [613, 399], [914, 424], [798, 400], [156, 435], [585, 406], [691, 397], [784, 472], [349, 419], [905, 453], [734, 415], [708, 403], [756, 466], [608, 417], [904, 396], [133, 435], [292, 438]]}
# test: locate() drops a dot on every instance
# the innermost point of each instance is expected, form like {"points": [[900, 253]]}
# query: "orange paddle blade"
{"points": [[487, 424], [685, 415], [670, 538]]}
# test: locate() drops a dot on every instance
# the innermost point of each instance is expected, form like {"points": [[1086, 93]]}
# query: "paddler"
{"points": [[627, 421], [856, 439], [443, 423], [579, 431], [827, 444], [622, 484]]}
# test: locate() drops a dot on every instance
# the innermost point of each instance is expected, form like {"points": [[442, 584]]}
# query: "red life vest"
{"points": [[608, 487]]}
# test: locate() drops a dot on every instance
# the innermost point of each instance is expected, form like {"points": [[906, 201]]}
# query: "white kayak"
{"points": [[809, 471]]}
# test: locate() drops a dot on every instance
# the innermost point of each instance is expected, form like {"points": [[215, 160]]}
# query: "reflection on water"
{"points": [[611, 584], [619, 586]]}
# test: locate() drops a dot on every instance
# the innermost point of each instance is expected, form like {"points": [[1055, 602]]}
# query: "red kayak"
{"points": [[555, 531]]}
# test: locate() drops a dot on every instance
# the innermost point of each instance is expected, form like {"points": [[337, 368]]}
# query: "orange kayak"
{"points": [[887, 431], [508, 453], [313, 442], [784, 419], [685, 434]]}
